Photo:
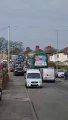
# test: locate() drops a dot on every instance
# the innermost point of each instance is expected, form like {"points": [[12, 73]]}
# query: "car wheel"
{"points": [[23, 73], [26, 85], [1, 96]]}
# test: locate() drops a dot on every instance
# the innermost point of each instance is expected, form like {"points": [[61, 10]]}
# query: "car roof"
{"points": [[33, 71]]}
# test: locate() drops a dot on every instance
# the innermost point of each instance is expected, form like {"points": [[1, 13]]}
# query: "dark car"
{"points": [[66, 75], [18, 70], [17, 63]]}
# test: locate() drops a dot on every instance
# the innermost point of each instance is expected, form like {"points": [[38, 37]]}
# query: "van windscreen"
{"points": [[33, 75]]}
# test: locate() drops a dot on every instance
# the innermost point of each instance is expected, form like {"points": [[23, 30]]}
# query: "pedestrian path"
{"points": [[15, 104]]}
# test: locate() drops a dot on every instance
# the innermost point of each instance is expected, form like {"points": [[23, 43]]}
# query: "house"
{"points": [[3, 56], [61, 57], [50, 51]]}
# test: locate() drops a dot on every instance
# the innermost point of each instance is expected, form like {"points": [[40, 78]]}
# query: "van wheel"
{"points": [[54, 81]]}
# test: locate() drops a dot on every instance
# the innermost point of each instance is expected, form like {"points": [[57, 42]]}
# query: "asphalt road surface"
{"points": [[47, 103]]}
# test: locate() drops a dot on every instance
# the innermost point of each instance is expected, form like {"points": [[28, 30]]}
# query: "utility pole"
{"points": [[2, 29], [12, 50], [8, 46], [57, 51]]}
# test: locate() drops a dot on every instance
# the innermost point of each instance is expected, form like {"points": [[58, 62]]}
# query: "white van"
{"points": [[33, 78], [48, 74]]}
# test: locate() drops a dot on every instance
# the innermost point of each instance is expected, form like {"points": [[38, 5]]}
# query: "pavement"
{"points": [[15, 104]]}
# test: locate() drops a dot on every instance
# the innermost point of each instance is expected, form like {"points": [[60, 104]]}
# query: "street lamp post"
{"points": [[57, 52], [8, 47], [2, 29]]}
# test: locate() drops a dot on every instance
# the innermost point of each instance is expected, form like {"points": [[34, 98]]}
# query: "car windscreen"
{"points": [[18, 68], [33, 75]]}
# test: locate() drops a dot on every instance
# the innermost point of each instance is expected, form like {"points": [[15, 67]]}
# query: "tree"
{"points": [[49, 50], [27, 51], [3, 44], [16, 46], [16, 51], [13, 46]]}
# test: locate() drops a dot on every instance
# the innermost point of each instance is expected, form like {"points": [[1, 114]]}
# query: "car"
{"points": [[66, 75], [17, 63], [20, 58], [18, 70], [60, 73], [33, 78]]}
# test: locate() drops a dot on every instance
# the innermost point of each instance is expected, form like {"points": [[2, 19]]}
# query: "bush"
{"points": [[63, 67]]}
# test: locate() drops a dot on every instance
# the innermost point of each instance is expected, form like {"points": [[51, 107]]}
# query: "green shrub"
{"points": [[63, 67]]}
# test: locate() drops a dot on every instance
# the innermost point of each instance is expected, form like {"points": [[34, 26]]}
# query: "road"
{"points": [[47, 103]]}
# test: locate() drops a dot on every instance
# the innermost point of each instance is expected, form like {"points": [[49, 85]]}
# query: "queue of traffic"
{"points": [[36, 69]]}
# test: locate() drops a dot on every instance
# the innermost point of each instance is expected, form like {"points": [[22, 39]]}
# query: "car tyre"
{"points": [[1, 95], [26, 85]]}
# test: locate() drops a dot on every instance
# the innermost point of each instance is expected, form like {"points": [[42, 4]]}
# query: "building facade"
{"points": [[61, 58]]}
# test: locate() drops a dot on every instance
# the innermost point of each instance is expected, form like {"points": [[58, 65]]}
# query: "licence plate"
{"points": [[19, 71], [34, 84], [45, 77]]}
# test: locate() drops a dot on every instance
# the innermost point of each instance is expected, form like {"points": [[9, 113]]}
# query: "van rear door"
{"points": [[48, 74]]}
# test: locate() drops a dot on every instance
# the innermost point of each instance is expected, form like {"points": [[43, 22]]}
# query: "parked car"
{"points": [[56, 73], [18, 70], [66, 75], [61, 73]]}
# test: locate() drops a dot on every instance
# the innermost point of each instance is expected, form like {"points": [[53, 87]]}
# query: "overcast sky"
{"points": [[34, 22]]}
